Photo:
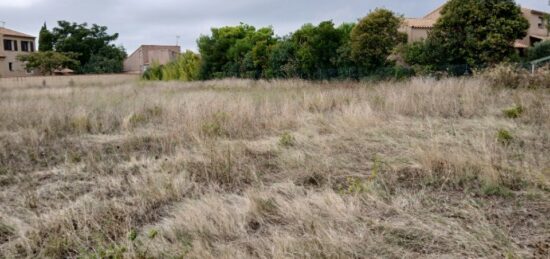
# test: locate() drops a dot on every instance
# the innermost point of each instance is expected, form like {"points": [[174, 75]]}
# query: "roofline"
{"points": [[435, 10], [19, 36]]}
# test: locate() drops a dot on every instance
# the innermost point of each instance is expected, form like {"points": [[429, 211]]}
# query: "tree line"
{"points": [[470, 34]]}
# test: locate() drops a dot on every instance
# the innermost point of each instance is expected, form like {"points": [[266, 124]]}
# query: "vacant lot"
{"points": [[242, 169]]}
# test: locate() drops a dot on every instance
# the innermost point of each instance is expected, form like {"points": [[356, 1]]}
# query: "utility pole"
{"points": [[177, 40]]}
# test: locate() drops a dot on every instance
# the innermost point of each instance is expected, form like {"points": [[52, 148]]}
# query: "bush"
{"points": [[540, 50], [185, 68]]}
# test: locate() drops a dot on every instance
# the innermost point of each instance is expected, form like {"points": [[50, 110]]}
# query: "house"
{"points": [[147, 55], [418, 28], [12, 44]]}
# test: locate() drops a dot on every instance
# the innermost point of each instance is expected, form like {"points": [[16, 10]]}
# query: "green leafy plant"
{"points": [[504, 137], [513, 112]]}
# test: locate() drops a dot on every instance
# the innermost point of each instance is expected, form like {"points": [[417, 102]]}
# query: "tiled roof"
{"points": [[13, 33], [420, 23]]}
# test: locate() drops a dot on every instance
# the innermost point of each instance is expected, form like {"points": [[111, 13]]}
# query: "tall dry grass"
{"points": [[256, 169]]}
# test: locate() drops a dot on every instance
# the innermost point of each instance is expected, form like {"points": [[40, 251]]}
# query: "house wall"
{"points": [[534, 29], [134, 62], [7, 57], [418, 34], [147, 55]]}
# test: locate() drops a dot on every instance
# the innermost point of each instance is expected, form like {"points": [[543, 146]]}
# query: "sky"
{"points": [[162, 21]]}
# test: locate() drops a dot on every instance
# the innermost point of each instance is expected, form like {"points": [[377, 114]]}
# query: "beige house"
{"points": [[12, 44], [418, 28], [146, 55]]}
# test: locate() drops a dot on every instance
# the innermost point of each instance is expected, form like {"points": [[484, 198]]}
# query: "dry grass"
{"points": [[245, 169]]}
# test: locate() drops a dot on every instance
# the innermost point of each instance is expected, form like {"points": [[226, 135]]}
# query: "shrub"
{"points": [[540, 50], [513, 112]]}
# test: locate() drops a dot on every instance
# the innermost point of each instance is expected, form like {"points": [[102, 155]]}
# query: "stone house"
{"points": [[147, 55], [12, 44]]}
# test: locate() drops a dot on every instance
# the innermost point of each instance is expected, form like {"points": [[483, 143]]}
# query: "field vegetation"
{"points": [[457, 167]]}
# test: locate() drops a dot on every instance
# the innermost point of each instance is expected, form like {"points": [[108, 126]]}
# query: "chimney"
{"points": [[2, 24]]}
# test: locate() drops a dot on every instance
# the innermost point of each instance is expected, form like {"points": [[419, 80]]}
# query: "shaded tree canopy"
{"points": [[477, 32]]}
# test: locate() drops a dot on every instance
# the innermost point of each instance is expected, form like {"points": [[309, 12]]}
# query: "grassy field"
{"points": [[253, 169]]}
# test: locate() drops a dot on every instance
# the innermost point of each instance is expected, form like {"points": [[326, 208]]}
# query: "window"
{"points": [[7, 45], [25, 46], [32, 45], [10, 66], [541, 22], [15, 45]]}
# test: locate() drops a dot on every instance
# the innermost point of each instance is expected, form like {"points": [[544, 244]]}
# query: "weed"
{"points": [[287, 140], [513, 112], [5, 232], [81, 124], [504, 137], [215, 126], [496, 190]]}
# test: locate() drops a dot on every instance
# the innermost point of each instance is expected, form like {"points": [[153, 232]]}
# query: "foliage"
{"points": [[513, 112], [540, 50], [238, 51], [185, 68], [287, 140], [48, 61], [478, 32], [45, 39], [504, 137], [97, 53], [375, 37]]}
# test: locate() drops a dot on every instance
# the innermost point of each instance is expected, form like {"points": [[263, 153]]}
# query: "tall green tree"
{"points": [[374, 38], [478, 32], [45, 39], [97, 53]]}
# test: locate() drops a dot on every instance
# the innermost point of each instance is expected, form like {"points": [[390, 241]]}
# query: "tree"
{"points": [[48, 61], [45, 39], [235, 51], [97, 53], [316, 50], [374, 38], [477, 32]]}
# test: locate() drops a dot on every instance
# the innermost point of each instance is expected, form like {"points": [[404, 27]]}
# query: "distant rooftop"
{"points": [[10, 32]]}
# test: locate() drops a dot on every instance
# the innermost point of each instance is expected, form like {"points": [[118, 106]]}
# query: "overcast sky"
{"points": [[160, 21]]}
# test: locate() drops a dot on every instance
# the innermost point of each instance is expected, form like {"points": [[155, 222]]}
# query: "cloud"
{"points": [[18, 3]]}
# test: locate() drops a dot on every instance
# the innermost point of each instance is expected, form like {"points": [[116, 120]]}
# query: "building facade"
{"points": [[418, 28], [13, 44], [147, 55]]}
